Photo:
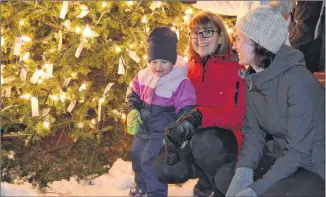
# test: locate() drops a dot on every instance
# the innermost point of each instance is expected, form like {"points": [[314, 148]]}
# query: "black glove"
{"points": [[172, 151], [184, 127]]}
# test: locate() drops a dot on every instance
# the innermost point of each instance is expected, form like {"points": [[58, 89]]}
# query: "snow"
{"points": [[117, 182]]}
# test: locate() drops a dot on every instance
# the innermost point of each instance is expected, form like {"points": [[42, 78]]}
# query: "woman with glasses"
{"points": [[209, 136]]}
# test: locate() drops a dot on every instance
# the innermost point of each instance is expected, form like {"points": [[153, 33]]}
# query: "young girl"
{"points": [[161, 93]]}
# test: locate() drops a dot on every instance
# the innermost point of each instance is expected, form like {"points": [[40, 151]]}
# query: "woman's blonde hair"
{"points": [[208, 20]]}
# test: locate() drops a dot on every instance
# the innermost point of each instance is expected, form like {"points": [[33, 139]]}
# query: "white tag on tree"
{"points": [[133, 55], [71, 105], [107, 89], [80, 47], [177, 32], [23, 74], [18, 46], [8, 91], [155, 5], [66, 82], [36, 76], [83, 14], [46, 113], [64, 9], [35, 108], [121, 69], [49, 71], [60, 40]]}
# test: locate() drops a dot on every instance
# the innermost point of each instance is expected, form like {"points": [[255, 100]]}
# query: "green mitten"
{"points": [[133, 121]]}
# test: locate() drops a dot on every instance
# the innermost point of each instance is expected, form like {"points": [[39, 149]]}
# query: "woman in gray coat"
{"points": [[284, 127]]}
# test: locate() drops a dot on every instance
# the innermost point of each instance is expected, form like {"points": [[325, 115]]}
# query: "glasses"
{"points": [[206, 33]]}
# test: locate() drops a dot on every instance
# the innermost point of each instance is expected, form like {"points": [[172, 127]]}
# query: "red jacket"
{"points": [[220, 93]]}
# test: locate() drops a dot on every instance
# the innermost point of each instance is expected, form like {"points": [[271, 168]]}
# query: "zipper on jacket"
{"points": [[236, 94], [204, 68]]}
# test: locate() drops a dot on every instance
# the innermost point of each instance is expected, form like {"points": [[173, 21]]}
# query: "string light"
{"points": [[26, 39], [62, 97], [188, 11], [77, 30], [123, 116], [82, 87], [21, 22], [46, 124], [26, 96], [117, 49], [186, 18], [67, 24], [101, 100], [54, 97], [73, 75], [130, 3], [81, 125], [87, 32], [144, 19], [104, 4]]}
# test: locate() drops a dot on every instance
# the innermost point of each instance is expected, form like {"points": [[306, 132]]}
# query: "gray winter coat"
{"points": [[286, 101]]}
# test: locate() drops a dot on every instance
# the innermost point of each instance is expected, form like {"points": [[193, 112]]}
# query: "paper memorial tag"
{"points": [[60, 40], [18, 46], [155, 5], [83, 14], [2, 80], [49, 71], [80, 47], [66, 82], [71, 105], [178, 33], [36, 76], [107, 89], [35, 108], [23, 74], [133, 55], [8, 91], [121, 68], [64, 9]]}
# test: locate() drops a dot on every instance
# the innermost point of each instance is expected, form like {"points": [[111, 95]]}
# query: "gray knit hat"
{"points": [[266, 26]]}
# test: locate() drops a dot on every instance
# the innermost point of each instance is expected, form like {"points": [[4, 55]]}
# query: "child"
{"points": [[161, 94]]}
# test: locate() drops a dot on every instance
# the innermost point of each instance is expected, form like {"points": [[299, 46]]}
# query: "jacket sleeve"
{"points": [[232, 114], [300, 136], [184, 98], [134, 101], [253, 138]]}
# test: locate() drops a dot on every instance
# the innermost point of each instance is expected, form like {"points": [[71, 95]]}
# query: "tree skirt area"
{"points": [[117, 182]]}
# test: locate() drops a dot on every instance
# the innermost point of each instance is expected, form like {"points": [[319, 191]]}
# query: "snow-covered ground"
{"points": [[117, 182]]}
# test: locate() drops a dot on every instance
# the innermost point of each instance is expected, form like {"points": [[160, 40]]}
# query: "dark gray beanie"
{"points": [[162, 44]]}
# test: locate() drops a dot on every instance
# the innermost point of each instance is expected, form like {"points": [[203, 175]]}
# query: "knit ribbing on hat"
{"points": [[266, 26]]}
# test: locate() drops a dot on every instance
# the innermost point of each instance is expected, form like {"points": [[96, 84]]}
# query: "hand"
{"points": [[184, 127], [133, 121], [247, 192], [242, 178]]}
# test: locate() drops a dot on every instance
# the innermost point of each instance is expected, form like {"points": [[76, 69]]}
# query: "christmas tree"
{"points": [[68, 65]]}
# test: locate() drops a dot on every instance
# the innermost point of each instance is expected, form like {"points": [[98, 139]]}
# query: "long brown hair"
{"points": [[210, 20]]}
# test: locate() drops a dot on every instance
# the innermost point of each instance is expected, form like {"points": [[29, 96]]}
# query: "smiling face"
{"points": [[203, 44], [160, 67], [245, 49]]}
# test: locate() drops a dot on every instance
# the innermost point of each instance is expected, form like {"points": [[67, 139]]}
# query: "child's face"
{"points": [[160, 67]]}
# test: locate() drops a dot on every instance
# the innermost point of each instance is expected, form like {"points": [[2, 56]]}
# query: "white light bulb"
{"points": [[117, 49], [26, 39], [46, 124], [101, 100], [77, 29], [21, 22], [144, 19], [188, 11], [82, 87]]}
